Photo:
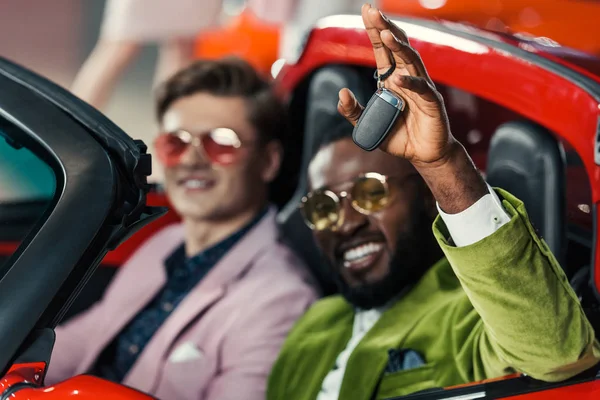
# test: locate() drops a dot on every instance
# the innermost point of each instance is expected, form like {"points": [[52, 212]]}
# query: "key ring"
{"points": [[384, 76]]}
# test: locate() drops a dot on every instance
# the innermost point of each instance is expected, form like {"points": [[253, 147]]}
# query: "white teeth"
{"points": [[361, 251], [195, 184]]}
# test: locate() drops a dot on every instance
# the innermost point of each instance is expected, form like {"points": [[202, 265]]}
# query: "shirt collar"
{"points": [[178, 257]]}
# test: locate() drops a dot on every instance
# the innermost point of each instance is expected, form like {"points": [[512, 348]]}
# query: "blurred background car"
{"points": [[569, 23]]}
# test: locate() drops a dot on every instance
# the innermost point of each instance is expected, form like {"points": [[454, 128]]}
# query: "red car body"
{"points": [[571, 23], [506, 78]]}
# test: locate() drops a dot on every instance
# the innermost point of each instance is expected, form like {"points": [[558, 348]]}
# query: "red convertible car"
{"points": [[529, 115]]}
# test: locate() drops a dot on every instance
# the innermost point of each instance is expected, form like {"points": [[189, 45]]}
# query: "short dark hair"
{"points": [[341, 129], [229, 76], [332, 128]]}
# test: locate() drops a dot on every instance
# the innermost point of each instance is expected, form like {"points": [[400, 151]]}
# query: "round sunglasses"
{"points": [[322, 209], [220, 146]]}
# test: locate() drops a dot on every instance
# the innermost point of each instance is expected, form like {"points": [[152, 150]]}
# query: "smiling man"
{"points": [[373, 257], [477, 297], [201, 310]]}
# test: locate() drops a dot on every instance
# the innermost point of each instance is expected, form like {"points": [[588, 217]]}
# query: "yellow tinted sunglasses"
{"points": [[322, 208]]}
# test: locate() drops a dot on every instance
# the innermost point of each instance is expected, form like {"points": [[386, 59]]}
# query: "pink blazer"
{"points": [[222, 339]]}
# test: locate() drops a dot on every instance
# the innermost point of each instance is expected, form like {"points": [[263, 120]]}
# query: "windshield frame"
{"points": [[100, 200]]}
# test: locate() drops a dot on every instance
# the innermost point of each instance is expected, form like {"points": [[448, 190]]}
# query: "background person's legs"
{"points": [[97, 78], [130, 24], [173, 55]]}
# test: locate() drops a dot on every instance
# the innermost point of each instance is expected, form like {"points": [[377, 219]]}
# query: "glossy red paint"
{"points": [[81, 388], [502, 378], [582, 391], [572, 23], [23, 373], [476, 67]]}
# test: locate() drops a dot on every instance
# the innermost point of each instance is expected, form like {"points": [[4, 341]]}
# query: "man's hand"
{"points": [[422, 133]]}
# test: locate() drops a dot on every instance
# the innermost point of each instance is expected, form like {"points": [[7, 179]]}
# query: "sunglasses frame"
{"points": [[383, 179], [195, 140]]}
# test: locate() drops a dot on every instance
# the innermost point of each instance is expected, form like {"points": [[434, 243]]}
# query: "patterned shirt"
{"points": [[182, 276]]}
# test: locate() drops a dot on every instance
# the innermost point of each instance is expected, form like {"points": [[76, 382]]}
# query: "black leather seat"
{"points": [[526, 160], [529, 162], [321, 117]]}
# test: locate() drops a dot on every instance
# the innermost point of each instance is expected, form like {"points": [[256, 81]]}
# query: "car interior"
{"points": [[515, 154]]}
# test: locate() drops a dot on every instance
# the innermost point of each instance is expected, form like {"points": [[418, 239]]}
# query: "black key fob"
{"points": [[377, 119]]}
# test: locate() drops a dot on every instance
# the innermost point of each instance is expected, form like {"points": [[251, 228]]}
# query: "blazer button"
{"points": [[134, 349]]}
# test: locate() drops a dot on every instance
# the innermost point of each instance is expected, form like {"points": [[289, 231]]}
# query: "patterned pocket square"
{"points": [[400, 360]]}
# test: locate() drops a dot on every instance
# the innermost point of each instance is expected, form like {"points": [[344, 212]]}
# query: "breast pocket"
{"points": [[407, 381], [189, 376]]}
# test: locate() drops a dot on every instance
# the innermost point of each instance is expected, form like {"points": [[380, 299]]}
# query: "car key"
{"points": [[377, 119]]}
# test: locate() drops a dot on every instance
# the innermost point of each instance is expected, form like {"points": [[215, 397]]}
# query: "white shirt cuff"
{"points": [[477, 222]]}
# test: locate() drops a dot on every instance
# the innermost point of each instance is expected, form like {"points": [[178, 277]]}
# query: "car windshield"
{"points": [[27, 187]]}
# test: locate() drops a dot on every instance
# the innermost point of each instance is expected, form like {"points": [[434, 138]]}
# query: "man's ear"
{"points": [[273, 158]]}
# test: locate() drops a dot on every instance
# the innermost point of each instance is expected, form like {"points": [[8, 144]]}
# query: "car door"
{"points": [[75, 185]]}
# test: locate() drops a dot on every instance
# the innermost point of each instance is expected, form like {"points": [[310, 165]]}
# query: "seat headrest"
{"points": [[321, 118], [527, 161]]}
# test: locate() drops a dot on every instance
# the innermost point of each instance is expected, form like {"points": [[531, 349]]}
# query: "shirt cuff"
{"points": [[477, 222]]}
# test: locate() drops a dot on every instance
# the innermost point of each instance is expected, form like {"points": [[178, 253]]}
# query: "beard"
{"points": [[414, 253]]}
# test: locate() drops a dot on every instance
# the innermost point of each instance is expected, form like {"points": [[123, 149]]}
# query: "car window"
{"points": [[23, 176], [27, 188]]}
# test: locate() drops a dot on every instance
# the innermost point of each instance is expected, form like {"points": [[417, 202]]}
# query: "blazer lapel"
{"points": [[145, 372], [318, 354], [368, 361], [206, 293], [136, 284]]}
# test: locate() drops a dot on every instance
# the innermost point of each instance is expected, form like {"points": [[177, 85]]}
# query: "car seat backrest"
{"points": [[321, 117], [527, 161]]}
